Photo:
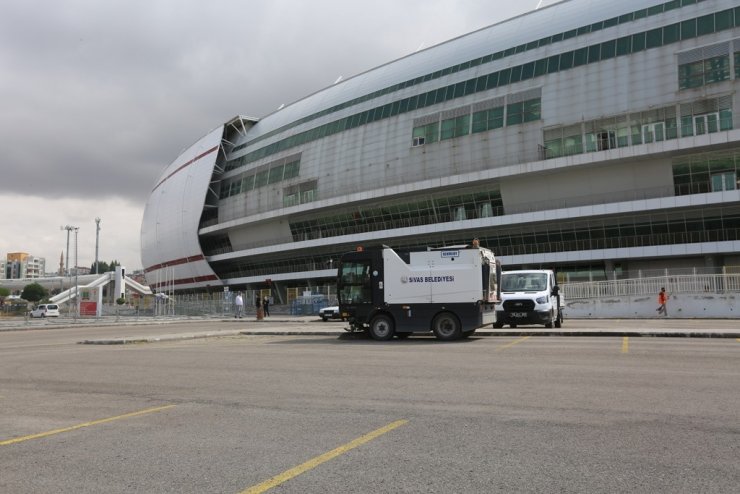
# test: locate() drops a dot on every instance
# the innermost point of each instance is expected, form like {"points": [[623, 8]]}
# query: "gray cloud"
{"points": [[98, 97]]}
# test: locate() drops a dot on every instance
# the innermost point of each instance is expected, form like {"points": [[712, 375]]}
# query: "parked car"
{"points": [[331, 312], [45, 310]]}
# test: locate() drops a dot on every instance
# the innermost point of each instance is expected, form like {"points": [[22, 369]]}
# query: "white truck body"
{"points": [[530, 297]]}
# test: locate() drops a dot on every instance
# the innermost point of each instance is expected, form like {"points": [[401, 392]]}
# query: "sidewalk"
{"points": [[284, 325]]}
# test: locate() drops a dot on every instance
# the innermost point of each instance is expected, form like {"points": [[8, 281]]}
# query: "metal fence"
{"points": [[674, 284]]}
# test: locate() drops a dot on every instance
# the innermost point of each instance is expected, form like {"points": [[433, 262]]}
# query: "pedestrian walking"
{"points": [[239, 304], [266, 306], [662, 302]]}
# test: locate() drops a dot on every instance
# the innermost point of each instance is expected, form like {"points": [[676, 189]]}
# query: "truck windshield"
{"points": [[523, 282], [354, 283]]}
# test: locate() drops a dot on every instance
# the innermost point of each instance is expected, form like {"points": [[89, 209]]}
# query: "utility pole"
{"points": [[77, 285], [97, 242], [66, 264]]}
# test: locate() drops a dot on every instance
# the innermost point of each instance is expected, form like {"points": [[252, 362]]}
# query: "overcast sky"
{"points": [[98, 97]]}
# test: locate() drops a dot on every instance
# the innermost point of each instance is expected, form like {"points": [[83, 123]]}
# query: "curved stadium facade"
{"points": [[594, 137]]}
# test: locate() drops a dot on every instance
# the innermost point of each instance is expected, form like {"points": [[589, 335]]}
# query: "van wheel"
{"points": [[446, 326], [512, 326], [498, 325], [381, 328]]}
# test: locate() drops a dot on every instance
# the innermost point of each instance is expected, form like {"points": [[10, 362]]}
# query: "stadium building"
{"points": [[595, 137]]}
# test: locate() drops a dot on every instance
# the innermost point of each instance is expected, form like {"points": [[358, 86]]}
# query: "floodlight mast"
{"points": [[97, 242]]}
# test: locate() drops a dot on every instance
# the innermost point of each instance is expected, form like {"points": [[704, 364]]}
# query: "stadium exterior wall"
{"points": [[593, 137]]}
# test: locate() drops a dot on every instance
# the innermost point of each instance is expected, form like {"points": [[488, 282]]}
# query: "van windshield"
{"points": [[523, 282]]}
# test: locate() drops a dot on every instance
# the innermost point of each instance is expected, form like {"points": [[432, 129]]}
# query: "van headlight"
{"points": [[542, 300]]}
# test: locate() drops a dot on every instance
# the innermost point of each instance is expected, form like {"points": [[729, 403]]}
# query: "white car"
{"points": [[331, 312], [45, 310]]}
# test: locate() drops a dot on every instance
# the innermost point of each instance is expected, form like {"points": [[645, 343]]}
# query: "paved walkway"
{"points": [[313, 326]]}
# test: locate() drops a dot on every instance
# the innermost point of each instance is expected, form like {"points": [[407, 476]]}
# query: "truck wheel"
{"points": [[446, 327], [381, 328]]}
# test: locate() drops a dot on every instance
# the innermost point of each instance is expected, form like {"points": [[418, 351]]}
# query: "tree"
{"points": [[4, 292], [34, 292], [104, 267]]}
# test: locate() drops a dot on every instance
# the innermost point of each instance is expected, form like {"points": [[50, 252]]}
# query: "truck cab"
{"points": [[529, 297]]}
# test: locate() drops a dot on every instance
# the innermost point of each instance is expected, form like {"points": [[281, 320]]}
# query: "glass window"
{"points": [[608, 49], [566, 60], [248, 183], [540, 67], [687, 126], [291, 169], [624, 45], [654, 38], [691, 75], [717, 69], [425, 134], [455, 127], [516, 74], [527, 71], [671, 33], [261, 178], [723, 20], [594, 53], [737, 65], [724, 181], [638, 42], [725, 119], [514, 114], [532, 110], [553, 63], [580, 57], [688, 29], [290, 200], [308, 196], [705, 25], [488, 119], [276, 174]]}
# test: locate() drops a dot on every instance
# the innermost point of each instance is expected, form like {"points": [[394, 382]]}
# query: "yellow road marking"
{"points": [[314, 462], [86, 424], [515, 342], [625, 344]]}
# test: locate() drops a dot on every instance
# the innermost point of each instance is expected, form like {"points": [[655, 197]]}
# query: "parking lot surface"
{"points": [[200, 407]]}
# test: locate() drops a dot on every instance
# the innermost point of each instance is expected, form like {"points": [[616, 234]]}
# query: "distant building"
{"points": [[18, 265]]}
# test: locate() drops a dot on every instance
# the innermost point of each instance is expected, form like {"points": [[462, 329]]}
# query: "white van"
{"points": [[45, 310], [529, 297]]}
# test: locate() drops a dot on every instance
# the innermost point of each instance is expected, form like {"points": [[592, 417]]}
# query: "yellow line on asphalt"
{"points": [[314, 462], [86, 424], [625, 344], [515, 342]]}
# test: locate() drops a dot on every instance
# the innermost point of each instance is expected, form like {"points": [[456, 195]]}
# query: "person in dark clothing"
{"points": [[266, 306]]}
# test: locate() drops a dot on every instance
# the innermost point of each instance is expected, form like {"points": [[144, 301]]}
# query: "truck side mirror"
{"points": [[555, 290]]}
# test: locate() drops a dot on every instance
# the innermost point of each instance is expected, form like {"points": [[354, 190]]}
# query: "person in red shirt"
{"points": [[662, 302]]}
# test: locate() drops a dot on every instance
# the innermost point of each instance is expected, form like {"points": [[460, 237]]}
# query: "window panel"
{"points": [[514, 113], [260, 179], [716, 69], [580, 57], [654, 38], [723, 20], [248, 183], [608, 49], [705, 25], [594, 53], [566, 60], [624, 45], [688, 29], [276, 174], [638, 42], [671, 33]]}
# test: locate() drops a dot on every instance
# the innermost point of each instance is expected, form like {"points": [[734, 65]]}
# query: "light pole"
{"points": [[97, 241], [77, 286], [66, 263]]}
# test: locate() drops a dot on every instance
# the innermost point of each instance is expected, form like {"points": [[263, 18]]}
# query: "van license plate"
{"points": [[519, 314]]}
